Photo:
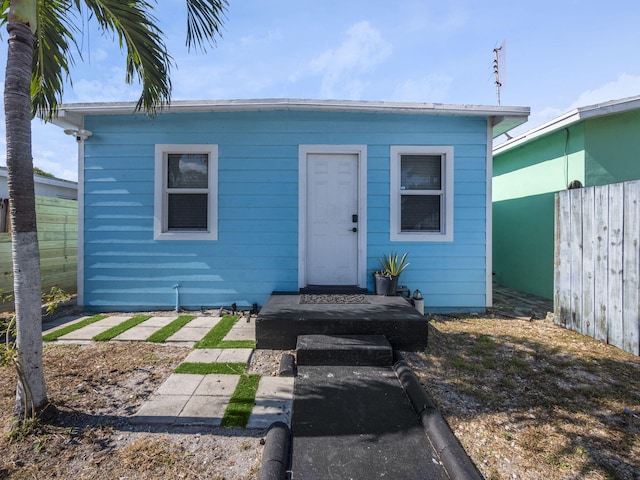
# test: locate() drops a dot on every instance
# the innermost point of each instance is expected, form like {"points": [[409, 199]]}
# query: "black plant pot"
{"points": [[386, 284]]}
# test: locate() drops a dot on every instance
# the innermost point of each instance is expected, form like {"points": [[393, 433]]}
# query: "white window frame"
{"points": [[446, 214], [160, 214]]}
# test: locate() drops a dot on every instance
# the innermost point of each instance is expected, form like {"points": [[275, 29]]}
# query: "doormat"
{"points": [[329, 298]]}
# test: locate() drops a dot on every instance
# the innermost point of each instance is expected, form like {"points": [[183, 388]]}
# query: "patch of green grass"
{"points": [[210, 368], [239, 409], [120, 328], [168, 330], [214, 337], [49, 337], [237, 344], [484, 345]]}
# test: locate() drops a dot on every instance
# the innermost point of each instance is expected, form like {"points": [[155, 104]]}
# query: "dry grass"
{"points": [[96, 388], [530, 400]]}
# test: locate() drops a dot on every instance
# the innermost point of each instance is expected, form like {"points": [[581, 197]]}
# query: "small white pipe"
{"points": [[177, 289]]}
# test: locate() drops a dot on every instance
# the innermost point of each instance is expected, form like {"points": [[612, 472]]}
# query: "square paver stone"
{"points": [[161, 409], [203, 322], [201, 410], [217, 385], [159, 321], [138, 333], [274, 401], [235, 355], [188, 334], [204, 355], [180, 384]]}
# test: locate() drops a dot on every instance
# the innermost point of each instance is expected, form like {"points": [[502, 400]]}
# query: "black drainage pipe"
{"points": [[455, 460], [275, 458]]}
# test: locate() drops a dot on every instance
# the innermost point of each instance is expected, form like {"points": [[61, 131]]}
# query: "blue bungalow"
{"points": [[212, 203]]}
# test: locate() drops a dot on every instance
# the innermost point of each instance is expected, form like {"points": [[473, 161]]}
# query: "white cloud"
{"points": [[624, 86], [430, 88], [111, 88], [341, 67]]}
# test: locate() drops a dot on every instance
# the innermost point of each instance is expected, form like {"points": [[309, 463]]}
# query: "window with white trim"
{"points": [[186, 192], [421, 194]]}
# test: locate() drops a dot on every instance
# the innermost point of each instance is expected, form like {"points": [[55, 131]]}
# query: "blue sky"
{"points": [[560, 55]]}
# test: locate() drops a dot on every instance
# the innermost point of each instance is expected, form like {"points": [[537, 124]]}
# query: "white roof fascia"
{"points": [[569, 118], [71, 115]]}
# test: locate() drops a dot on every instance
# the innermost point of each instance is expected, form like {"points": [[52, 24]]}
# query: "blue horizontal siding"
{"points": [[257, 247]]}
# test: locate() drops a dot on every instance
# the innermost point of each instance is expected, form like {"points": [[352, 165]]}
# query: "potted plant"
{"points": [[391, 266]]}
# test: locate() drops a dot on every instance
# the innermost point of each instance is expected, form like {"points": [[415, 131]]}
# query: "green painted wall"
{"points": [[613, 148], [523, 249], [525, 180]]}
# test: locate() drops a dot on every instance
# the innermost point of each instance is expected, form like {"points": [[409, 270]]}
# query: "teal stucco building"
{"points": [[595, 145]]}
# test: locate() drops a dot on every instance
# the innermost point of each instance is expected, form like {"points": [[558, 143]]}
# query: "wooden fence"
{"points": [[597, 263], [58, 240]]}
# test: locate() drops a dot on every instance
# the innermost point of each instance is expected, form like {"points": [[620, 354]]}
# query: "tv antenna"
{"points": [[500, 67]]}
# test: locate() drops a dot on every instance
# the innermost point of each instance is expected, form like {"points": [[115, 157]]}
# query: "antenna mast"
{"points": [[499, 63]]}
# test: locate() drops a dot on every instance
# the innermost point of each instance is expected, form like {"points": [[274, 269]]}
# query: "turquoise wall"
{"points": [[613, 148], [525, 180], [257, 247]]}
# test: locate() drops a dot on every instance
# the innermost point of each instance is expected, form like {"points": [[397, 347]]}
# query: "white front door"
{"points": [[332, 221]]}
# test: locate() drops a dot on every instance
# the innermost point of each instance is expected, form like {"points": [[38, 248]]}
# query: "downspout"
{"points": [[489, 210], [80, 135]]}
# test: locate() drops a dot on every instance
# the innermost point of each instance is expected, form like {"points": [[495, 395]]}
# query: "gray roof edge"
{"points": [[569, 118], [71, 114]]}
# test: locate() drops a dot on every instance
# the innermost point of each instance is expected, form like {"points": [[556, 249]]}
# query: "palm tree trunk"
{"points": [[31, 395]]}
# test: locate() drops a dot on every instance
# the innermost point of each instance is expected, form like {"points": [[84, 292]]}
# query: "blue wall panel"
{"points": [[257, 247]]}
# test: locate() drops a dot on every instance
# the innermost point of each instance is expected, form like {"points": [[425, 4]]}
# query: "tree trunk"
{"points": [[31, 395]]}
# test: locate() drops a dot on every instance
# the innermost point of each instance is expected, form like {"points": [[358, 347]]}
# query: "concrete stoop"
{"points": [[334, 350]]}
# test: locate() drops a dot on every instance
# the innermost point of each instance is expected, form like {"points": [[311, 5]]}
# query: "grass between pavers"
{"points": [[213, 338], [120, 328], [168, 330], [228, 368], [237, 344], [242, 401], [51, 336]]}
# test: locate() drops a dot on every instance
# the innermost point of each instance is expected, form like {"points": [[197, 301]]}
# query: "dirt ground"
{"points": [[527, 400]]}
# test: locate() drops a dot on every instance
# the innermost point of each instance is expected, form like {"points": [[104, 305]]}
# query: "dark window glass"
{"points": [[420, 213], [421, 172], [187, 211]]}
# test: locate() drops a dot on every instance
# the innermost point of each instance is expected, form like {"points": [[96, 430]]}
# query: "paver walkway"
{"points": [[188, 399]]}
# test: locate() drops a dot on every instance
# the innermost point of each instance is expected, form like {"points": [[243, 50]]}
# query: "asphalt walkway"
{"points": [[190, 399], [357, 423]]}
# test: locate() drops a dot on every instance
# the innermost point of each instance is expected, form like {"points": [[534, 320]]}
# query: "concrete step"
{"points": [[334, 350]]}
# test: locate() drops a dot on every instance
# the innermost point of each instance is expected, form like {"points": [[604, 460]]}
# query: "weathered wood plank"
{"points": [[575, 274], [631, 306], [601, 221], [615, 283], [563, 316], [588, 262]]}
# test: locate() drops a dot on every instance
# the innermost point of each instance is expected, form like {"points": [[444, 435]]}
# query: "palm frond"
{"points": [[52, 55], [204, 22], [147, 58]]}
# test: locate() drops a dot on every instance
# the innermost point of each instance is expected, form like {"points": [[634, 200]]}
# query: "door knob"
{"points": [[354, 229]]}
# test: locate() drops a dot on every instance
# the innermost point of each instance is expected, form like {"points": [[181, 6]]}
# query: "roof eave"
{"points": [[71, 115]]}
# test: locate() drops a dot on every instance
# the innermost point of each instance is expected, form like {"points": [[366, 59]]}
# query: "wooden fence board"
{"points": [[614, 286], [588, 263], [631, 294], [597, 263], [575, 250]]}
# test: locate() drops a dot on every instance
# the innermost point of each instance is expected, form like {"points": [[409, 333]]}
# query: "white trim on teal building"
{"points": [[280, 175]]}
